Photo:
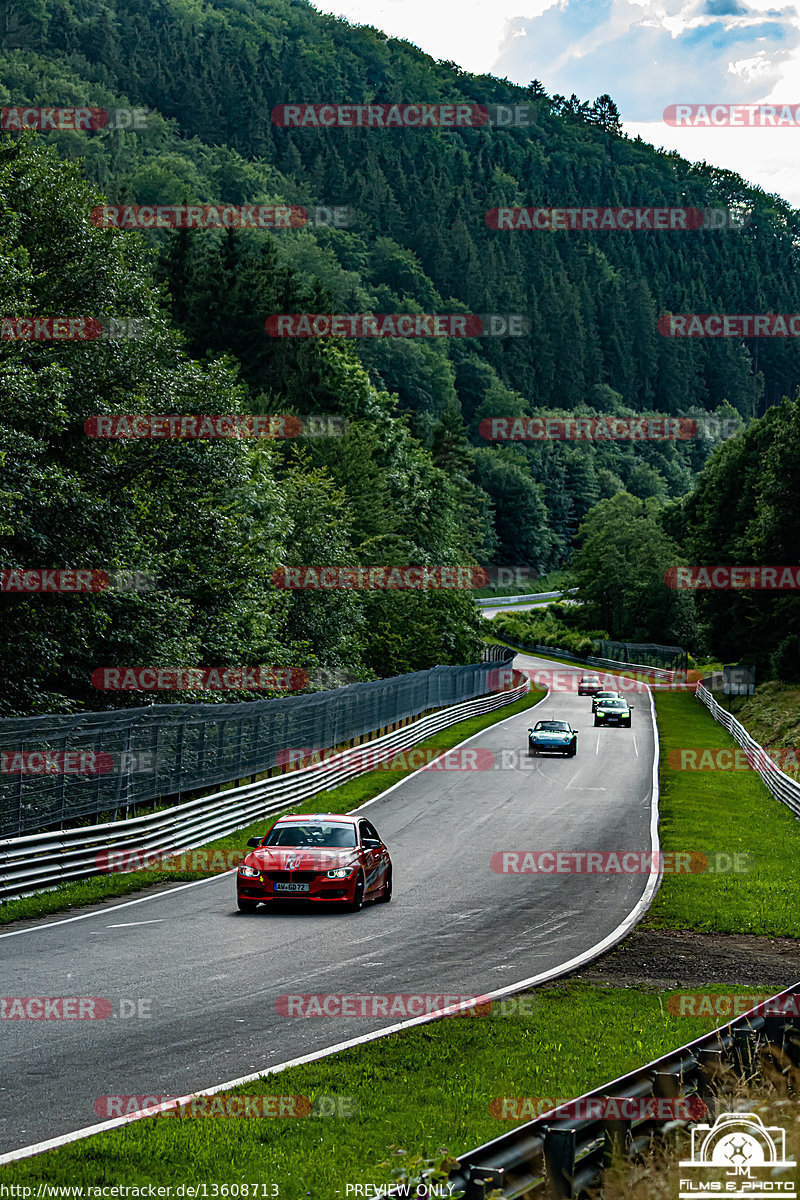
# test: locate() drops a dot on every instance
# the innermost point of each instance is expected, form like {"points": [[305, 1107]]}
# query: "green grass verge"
{"points": [[722, 812], [341, 799], [427, 1087]]}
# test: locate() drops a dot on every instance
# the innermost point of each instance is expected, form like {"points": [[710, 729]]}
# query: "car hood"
{"points": [[278, 858]]}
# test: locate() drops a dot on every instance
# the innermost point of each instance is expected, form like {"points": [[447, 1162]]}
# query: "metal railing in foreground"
{"points": [[561, 1156]]}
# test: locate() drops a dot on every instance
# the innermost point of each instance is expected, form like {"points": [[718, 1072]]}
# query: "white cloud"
{"points": [[645, 53]]}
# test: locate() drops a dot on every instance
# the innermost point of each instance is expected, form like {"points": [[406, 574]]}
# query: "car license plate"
{"points": [[291, 887]]}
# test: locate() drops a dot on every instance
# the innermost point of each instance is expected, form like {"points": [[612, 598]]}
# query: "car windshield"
{"points": [[311, 835], [590, 679], [615, 704], [607, 696], [552, 726]]}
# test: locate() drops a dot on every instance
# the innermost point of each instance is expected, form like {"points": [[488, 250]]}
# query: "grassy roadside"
{"points": [[721, 813], [426, 1087], [350, 795]]}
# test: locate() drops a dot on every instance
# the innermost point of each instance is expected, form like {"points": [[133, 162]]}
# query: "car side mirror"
{"points": [[254, 842], [576, 731], [370, 843]]}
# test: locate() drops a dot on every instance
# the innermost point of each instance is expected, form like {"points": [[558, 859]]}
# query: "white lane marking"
{"points": [[597, 747], [636, 748], [130, 924], [582, 789], [106, 912], [613, 938]]}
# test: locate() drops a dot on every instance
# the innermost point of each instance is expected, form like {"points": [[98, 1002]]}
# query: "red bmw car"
{"points": [[323, 858]]}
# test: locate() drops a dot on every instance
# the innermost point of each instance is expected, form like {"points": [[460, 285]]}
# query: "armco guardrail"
{"points": [[104, 763], [564, 1155], [36, 861], [557, 652], [492, 601], [782, 786]]}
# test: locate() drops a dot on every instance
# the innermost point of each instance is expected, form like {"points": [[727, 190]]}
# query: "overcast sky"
{"points": [[645, 53]]}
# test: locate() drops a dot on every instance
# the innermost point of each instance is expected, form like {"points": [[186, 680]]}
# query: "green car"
{"points": [[613, 712]]}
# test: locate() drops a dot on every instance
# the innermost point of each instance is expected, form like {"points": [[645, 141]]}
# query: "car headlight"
{"points": [[249, 872], [340, 872]]}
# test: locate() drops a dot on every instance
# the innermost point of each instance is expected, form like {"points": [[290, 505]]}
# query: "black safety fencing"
{"points": [[62, 770]]}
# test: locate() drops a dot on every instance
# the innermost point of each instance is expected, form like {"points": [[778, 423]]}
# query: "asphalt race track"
{"points": [[210, 976]]}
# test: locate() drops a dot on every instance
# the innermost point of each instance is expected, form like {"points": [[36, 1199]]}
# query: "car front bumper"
{"points": [[320, 890]]}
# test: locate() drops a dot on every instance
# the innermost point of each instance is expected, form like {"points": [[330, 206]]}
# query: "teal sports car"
{"points": [[554, 737]]}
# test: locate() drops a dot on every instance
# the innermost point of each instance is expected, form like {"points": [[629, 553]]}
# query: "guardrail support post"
{"points": [[559, 1156], [616, 1140], [481, 1180], [710, 1075]]}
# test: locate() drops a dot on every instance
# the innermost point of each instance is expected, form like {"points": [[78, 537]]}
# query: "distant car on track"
{"points": [[604, 696], [589, 685], [556, 737], [323, 858], [613, 712]]}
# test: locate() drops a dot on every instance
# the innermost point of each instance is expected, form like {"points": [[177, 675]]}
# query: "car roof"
{"points": [[309, 818]]}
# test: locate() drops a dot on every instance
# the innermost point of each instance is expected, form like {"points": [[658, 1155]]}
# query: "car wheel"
{"points": [[571, 752], [533, 753], [387, 891], [358, 898], [246, 905], [596, 722]]}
